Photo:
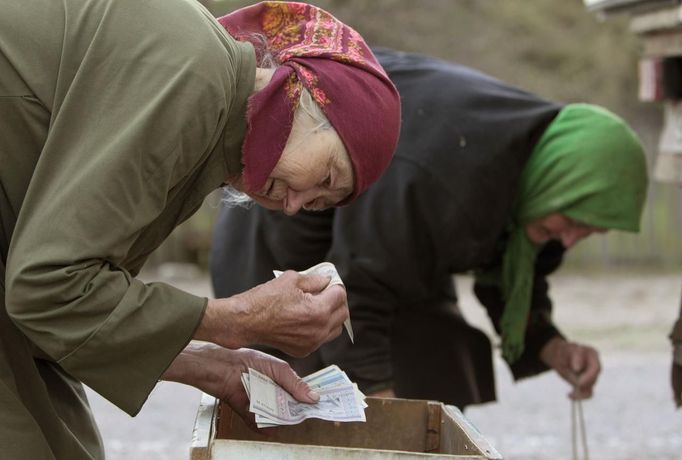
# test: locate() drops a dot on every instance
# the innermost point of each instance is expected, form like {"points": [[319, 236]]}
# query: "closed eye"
{"points": [[277, 190]]}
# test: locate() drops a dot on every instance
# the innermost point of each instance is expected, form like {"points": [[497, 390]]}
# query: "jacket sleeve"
{"points": [[540, 326], [386, 248], [136, 115]]}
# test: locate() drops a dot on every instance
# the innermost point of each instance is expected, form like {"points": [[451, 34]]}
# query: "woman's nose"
{"points": [[296, 200], [570, 237]]}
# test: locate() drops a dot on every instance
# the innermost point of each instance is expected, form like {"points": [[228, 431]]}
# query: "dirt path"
{"points": [[625, 315]]}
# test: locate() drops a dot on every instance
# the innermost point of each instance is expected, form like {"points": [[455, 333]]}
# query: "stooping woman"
{"points": [[117, 118], [486, 179]]}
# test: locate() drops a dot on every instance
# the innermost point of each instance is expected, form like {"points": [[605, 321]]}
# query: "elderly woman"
{"points": [[486, 178], [117, 118]]}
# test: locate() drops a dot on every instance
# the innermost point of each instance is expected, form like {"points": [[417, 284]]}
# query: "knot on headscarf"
{"points": [[314, 49], [588, 165]]}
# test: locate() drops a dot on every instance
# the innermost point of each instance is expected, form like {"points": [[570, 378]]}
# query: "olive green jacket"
{"points": [[117, 118]]}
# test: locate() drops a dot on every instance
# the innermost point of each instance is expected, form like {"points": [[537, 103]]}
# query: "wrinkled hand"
{"points": [[293, 313], [577, 364], [217, 371]]}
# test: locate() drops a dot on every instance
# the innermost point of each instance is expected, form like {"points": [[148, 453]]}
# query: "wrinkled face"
{"points": [[556, 226], [314, 172]]}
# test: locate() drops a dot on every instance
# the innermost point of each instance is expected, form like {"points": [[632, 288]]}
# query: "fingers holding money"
{"points": [[282, 374], [236, 362], [330, 299], [294, 313], [327, 269], [335, 296], [310, 283], [313, 320], [340, 399]]}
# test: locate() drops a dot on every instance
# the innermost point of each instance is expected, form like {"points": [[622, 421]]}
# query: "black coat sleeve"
{"points": [[540, 326]]}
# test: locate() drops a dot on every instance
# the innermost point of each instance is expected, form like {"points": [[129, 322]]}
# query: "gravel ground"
{"points": [[626, 315]]}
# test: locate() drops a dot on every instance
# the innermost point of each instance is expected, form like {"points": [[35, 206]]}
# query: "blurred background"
{"points": [[617, 291], [555, 49]]}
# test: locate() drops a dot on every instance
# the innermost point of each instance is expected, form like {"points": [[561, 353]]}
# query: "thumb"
{"points": [[577, 361], [313, 283], [295, 386]]}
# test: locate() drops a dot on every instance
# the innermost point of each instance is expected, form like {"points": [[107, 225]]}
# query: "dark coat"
{"points": [[442, 207]]}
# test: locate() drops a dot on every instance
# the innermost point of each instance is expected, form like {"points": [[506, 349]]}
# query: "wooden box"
{"points": [[396, 429]]}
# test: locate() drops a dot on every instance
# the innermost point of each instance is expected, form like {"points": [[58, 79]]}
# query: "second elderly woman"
{"points": [[486, 178]]}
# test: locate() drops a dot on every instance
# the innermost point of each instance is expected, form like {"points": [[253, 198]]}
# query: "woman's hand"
{"points": [[294, 313], [575, 363], [217, 371]]}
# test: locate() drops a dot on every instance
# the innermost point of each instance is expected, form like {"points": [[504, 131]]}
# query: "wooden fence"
{"points": [[658, 245]]}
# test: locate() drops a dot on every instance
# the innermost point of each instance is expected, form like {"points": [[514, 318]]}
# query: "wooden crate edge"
{"points": [[204, 427], [475, 436]]}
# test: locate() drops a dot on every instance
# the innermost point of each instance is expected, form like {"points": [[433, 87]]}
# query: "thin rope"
{"points": [[580, 433]]}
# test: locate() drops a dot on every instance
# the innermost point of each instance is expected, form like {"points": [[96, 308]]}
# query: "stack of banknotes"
{"points": [[340, 399]]}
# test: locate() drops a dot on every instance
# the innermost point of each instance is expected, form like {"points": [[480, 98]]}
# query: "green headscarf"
{"points": [[588, 165]]}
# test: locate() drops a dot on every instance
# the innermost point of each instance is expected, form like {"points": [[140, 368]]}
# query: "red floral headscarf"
{"points": [[314, 49]]}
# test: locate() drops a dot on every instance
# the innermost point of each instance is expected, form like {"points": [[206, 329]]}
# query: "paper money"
{"points": [[330, 377], [326, 269], [273, 403], [340, 399]]}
